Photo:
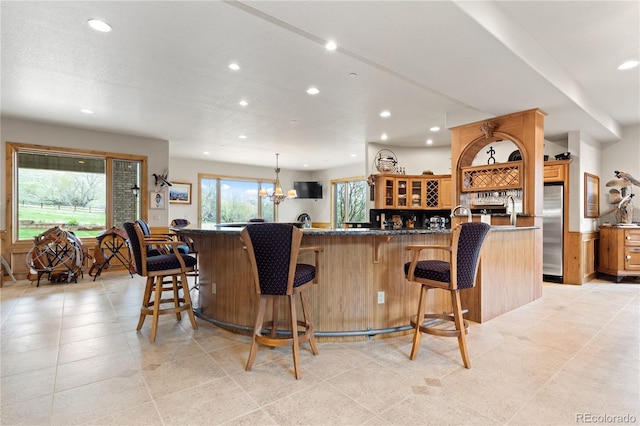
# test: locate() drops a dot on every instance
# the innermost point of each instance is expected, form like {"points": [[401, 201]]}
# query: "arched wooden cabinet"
{"points": [[523, 178]]}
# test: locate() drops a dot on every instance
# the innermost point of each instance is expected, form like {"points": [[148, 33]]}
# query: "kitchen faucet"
{"points": [[453, 212], [513, 218]]}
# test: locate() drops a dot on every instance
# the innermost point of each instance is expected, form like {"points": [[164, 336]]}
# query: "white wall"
{"points": [[585, 159], [414, 160], [623, 155], [29, 132], [320, 210]]}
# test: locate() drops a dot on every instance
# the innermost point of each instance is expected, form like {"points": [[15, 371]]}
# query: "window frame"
{"points": [[218, 178], [13, 148], [346, 181]]}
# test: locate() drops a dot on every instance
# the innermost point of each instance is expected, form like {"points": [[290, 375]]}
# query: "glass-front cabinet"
{"points": [[412, 192]]}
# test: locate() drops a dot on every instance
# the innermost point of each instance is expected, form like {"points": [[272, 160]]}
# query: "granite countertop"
{"points": [[222, 230]]}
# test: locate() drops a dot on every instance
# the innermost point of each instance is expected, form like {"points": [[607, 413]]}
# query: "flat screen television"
{"points": [[308, 189]]}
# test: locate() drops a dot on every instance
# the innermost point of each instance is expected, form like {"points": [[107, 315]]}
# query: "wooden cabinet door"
{"points": [[445, 193], [416, 193], [402, 194], [385, 192], [632, 258]]}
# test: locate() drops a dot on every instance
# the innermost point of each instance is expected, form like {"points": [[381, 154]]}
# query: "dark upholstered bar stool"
{"points": [[458, 274], [273, 250], [188, 246], [172, 265]]}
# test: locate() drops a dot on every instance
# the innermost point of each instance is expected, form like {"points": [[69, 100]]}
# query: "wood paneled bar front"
{"points": [[355, 266]]}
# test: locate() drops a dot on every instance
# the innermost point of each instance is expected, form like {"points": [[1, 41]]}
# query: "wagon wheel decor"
{"points": [[56, 253]]}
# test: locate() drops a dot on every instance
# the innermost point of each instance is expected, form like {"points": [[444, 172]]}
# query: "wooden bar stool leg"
{"points": [[294, 336], [187, 301], [459, 321], [146, 300], [417, 335], [275, 312], [176, 295], [257, 330], [306, 311], [156, 307]]}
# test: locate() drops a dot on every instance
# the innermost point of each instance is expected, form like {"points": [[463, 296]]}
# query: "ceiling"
{"points": [[163, 71]]}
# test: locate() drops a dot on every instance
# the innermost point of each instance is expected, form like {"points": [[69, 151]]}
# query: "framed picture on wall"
{"points": [[157, 201], [591, 196], [180, 193]]}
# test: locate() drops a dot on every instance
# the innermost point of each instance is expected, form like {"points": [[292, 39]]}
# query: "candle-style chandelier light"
{"points": [[278, 196]]}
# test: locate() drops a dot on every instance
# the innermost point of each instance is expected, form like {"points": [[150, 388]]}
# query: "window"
{"points": [[85, 192], [227, 200], [350, 203]]}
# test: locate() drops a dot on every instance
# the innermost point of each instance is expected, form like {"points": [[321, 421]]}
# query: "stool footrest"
{"points": [[434, 320], [285, 337]]}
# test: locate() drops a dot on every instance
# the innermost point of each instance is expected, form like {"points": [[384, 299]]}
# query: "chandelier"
{"points": [[277, 196]]}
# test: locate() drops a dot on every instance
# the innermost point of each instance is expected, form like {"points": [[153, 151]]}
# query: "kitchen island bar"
{"points": [[360, 268]]}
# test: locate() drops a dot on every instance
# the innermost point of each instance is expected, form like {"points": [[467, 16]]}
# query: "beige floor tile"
{"points": [[23, 362], [233, 359], [373, 385], [88, 348], [185, 372], [215, 402], [271, 381], [309, 407], [95, 369], [25, 386], [427, 409], [70, 355], [142, 415], [36, 411], [30, 342], [96, 400], [257, 417]]}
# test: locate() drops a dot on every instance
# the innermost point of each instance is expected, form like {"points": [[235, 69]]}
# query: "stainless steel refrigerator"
{"points": [[552, 232]]}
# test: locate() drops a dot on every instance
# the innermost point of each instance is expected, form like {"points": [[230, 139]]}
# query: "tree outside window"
{"points": [[350, 201]]}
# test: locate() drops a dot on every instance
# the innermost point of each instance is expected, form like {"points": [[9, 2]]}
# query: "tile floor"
{"points": [[71, 355]]}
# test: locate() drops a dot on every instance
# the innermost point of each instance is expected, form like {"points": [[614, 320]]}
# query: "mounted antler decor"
{"points": [[162, 180]]}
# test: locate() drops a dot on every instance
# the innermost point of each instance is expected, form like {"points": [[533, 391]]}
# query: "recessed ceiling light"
{"points": [[353, 74], [234, 66], [305, 165], [435, 129], [383, 136], [429, 141], [331, 45], [86, 111], [294, 121], [206, 153], [242, 136], [313, 90], [352, 155], [99, 25], [243, 103], [627, 65], [385, 114]]}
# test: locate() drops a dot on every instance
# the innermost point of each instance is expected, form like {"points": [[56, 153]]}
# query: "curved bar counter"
{"points": [[357, 264]]}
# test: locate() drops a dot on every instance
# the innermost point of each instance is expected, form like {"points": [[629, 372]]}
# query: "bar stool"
{"points": [[458, 274], [273, 250], [156, 268]]}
